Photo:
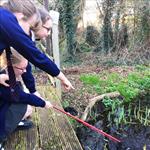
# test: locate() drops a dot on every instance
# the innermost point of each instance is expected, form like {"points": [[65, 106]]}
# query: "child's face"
{"points": [[45, 30], [31, 23], [20, 68]]}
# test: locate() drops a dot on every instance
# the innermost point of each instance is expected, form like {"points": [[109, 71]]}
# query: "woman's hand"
{"points": [[3, 79]]}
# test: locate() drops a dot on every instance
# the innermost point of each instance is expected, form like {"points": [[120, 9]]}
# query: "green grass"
{"points": [[129, 86], [90, 79]]}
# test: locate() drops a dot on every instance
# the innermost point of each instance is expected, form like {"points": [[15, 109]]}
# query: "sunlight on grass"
{"points": [[129, 86]]}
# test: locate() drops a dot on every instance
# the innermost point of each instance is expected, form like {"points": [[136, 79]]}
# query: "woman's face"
{"points": [[20, 68], [45, 30]]}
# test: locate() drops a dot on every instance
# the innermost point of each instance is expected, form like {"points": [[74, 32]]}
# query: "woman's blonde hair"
{"points": [[27, 8], [16, 58]]}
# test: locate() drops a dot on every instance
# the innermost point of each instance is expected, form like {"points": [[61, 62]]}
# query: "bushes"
{"points": [[92, 36]]}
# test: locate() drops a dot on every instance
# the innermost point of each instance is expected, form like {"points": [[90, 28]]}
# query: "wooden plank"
{"points": [[49, 136], [52, 130], [55, 130]]}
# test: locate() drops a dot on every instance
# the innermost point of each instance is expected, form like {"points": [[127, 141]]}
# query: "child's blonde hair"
{"points": [[3, 62], [27, 8], [16, 58], [45, 16], [2, 2]]}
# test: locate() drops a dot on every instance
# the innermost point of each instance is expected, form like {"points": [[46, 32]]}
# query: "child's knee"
{"points": [[29, 110]]}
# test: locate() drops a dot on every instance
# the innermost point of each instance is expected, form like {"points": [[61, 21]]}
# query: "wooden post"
{"points": [[46, 4], [48, 39], [55, 44]]}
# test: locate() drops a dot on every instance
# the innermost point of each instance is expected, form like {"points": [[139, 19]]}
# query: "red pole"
{"points": [[88, 125]]}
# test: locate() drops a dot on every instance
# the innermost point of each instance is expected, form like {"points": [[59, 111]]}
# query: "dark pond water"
{"points": [[133, 138]]}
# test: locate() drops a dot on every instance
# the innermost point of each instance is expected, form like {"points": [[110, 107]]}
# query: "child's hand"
{"points": [[67, 85], [37, 94], [65, 82], [48, 104], [3, 79]]}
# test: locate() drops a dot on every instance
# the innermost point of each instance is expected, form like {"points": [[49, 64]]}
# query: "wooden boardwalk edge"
{"points": [[52, 130]]}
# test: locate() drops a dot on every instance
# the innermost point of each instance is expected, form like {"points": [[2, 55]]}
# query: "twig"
{"points": [[95, 99]]}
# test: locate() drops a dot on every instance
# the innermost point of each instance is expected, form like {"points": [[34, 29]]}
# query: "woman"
{"points": [[12, 112]]}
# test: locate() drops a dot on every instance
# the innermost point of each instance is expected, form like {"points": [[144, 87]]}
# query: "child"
{"points": [[12, 112]]}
